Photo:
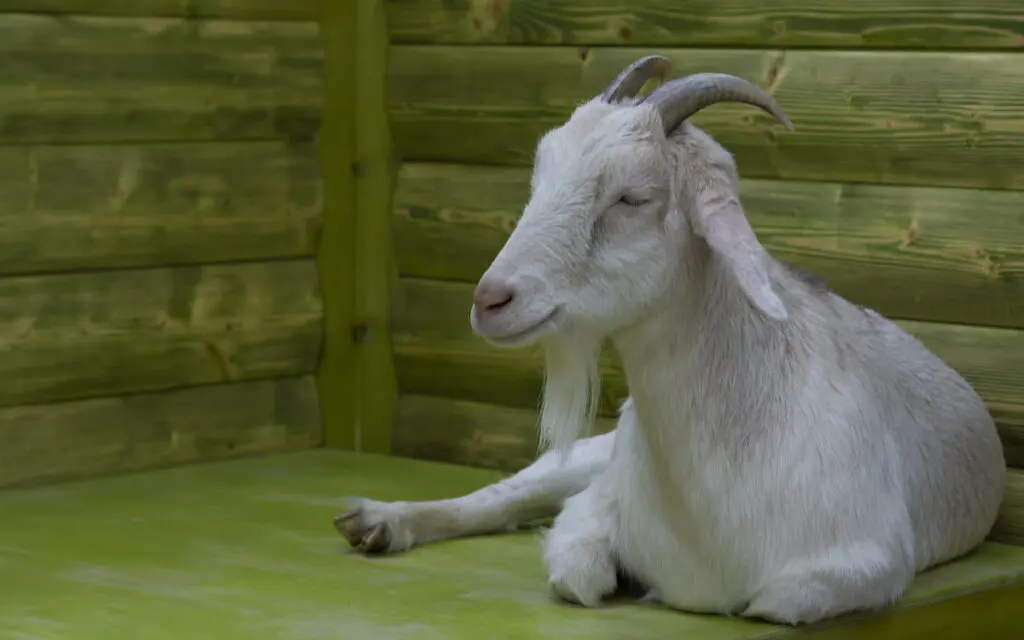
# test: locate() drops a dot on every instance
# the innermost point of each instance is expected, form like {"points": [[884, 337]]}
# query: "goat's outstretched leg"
{"points": [[538, 491], [578, 549], [842, 581]]}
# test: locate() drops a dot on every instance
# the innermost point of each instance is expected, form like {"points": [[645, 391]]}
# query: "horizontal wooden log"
{"points": [[97, 207], [237, 9], [1009, 527], [949, 255], [257, 40], [468, 433], [505, 438], [86, 80], [924, 24], [436, 353], [93, 334], [70, 440], [947, 119]]}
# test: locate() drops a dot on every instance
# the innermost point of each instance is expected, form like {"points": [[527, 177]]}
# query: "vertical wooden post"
{"points": [[358, 391], [338, 372], [375, 264]]}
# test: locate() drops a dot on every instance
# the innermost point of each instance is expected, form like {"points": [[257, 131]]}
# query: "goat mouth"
{"points": [[525, 336]]}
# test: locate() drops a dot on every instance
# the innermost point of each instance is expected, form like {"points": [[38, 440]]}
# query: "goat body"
{"points": [[784, 454]]}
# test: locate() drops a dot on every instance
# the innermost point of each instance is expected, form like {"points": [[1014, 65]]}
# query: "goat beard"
{"points": [[572, 391]]}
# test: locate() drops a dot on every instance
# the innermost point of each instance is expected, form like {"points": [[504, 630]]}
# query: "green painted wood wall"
{"points": [[210, 248], [161, 201], [902, 185], [358, 389]]}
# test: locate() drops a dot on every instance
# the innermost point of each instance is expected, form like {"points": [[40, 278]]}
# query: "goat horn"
{"points": [[681, 98], [629, 82]]}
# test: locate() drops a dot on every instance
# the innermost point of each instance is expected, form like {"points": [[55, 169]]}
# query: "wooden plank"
{"points": [[100, 207], [437, 353], [104, 333], [375, 273], [100, 80], [923, 24], [87, 34], [505, 438], [72, 440], [1010, 526], [208, 546], [987, 613], [469, 433], [236, 9], [337, 370], [949, 119], [949, 255]]}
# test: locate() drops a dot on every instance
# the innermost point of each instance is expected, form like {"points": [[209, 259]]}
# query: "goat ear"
{"points": [[727, 232]]}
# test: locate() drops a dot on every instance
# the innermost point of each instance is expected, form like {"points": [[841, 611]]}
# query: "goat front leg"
{"points": [[537, 491], [846, 580], [578, 549]]}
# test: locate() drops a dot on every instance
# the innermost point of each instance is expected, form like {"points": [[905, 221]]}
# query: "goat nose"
{"points": [[490, 297]]}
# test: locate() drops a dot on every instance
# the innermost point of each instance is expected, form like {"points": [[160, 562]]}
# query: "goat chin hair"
{"points": [[572, 391]]}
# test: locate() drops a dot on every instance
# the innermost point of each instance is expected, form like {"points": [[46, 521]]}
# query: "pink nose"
{"points": [[490, 297]]}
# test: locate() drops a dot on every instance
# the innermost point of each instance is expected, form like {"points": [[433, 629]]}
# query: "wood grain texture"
{"points": [[947, 119], [949, 255], [73, 440], [237, 9], [105, 333], [505, 438], [437, 353], [101, 207], [1010, 525], [375, 272], [923, 24], [82, 79], [338, 368], [469, 433]]}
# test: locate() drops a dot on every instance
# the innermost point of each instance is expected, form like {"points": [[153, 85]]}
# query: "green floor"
{"points": [[245, 549]]}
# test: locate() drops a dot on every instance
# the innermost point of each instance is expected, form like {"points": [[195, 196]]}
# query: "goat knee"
{"points": [[578, 553], [841, 582]]}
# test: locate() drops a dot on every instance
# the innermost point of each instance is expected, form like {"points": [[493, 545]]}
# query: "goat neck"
{"points": [[704, 359]]}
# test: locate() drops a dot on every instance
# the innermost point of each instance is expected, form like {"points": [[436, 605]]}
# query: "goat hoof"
{"points": [[585, 594], [582, 577], [361, 533], [375, 540]]}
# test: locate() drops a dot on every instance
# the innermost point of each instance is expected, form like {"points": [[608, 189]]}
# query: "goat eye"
{"points": [[631, 201]]}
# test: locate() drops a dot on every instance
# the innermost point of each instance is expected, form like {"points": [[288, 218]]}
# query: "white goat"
{"points": [[784, 454]]}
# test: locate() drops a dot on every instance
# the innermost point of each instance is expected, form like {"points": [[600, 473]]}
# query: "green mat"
{"points": [[246, 549]]}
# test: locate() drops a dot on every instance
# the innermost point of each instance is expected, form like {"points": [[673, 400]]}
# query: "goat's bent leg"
{"points": [[842, 581], [537, 491], [578, 548]]}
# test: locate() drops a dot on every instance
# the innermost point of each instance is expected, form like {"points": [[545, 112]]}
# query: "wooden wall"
{"points": [[160, 201], [902, 185]]}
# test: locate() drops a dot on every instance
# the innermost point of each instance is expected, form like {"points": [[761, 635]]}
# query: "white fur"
{"points": [[784, 454]]}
